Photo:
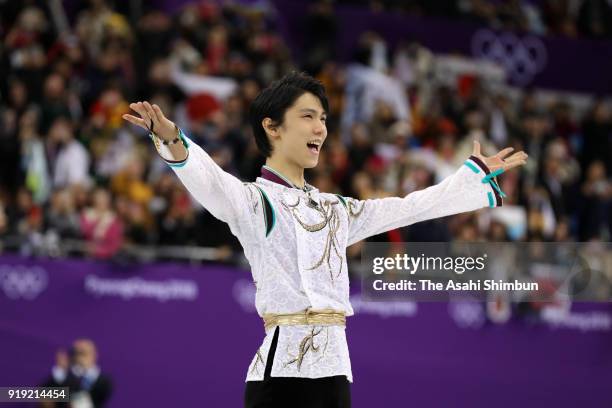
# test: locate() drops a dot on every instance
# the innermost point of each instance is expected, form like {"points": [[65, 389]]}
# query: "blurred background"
{"points": [[113, 281]]}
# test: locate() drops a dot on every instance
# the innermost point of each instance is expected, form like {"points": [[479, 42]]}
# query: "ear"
{"points": [[270, 128]]}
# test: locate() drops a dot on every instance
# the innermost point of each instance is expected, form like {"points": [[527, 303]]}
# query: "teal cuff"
{"points": [[185, 142], [492, 175], [183, 138], [496, 187], [489, 179], [471, 166], [177, 165]]}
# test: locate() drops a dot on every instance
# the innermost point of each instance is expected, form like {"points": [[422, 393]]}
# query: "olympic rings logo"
{"points": [[21, 282], [522, 58]]}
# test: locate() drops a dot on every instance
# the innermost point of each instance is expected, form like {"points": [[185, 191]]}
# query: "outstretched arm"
{"points": [[473, 186], [225, 196]]}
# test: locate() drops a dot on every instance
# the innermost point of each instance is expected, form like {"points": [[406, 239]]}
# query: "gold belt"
{"points": [[326, 317]]}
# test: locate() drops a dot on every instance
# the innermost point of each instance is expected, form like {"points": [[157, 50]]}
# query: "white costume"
{"points": [[295, 241]]}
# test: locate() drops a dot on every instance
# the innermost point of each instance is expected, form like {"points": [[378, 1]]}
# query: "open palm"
{"points": [[152, 119], [499, 160]]}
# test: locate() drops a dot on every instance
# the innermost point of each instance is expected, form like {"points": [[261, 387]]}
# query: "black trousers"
{"points": [[284, 392]]}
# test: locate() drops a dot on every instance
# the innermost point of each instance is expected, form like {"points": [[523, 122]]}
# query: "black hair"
{"points": [[274, 101]]}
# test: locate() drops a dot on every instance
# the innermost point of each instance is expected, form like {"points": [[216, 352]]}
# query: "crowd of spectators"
{"points": [[70, 168], [570, 18]]}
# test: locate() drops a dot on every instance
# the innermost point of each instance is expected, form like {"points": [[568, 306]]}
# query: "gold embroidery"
{"points": [[257, 360], [252, 197], [306, 345], [330, 217], [331, 242], [351, 208], [310, 228], [324, 347]]}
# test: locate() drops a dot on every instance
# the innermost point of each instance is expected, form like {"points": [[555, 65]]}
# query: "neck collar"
{"points": [[272, 175]]}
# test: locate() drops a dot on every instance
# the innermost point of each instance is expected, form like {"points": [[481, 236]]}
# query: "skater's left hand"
{"points": [[500, 160]]}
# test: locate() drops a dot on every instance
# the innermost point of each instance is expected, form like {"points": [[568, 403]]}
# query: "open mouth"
{"points": [[314, 146]]}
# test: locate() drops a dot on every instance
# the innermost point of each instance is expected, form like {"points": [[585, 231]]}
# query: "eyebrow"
{"points": [[309, 110]]}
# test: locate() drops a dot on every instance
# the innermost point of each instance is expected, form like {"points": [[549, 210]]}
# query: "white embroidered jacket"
{"points": [[297, 251]]}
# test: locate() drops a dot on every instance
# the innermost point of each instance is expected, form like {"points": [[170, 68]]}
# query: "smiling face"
{"points": [[300, 137]]}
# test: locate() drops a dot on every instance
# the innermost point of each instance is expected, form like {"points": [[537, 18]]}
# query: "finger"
{"points": [[134, 106], [135, 120], [151, 114], [146, 116], [515, 163], [503, 153], [476, 151], [518, 155], [158, 113], [139, 108]]}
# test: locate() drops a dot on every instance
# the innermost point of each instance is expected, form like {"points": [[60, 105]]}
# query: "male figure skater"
{"points": [[295, 237]]}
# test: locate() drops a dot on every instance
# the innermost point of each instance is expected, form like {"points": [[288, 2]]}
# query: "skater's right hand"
{"points": [[152, 119]]}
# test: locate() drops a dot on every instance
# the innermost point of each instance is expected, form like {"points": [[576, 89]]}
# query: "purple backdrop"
{"points": [[582, 65], [179, 335]]}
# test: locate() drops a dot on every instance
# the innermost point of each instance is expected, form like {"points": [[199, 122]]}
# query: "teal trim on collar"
{"points": [[491, 202], [342, 200], [285, 179]]}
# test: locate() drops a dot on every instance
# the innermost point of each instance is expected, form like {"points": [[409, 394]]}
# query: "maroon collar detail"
{"points": [[268, 175]]}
